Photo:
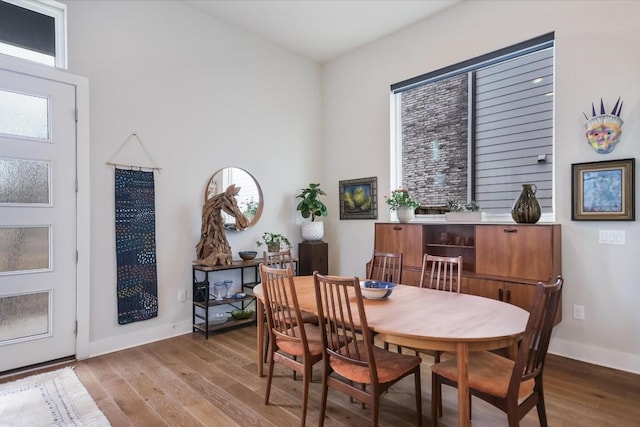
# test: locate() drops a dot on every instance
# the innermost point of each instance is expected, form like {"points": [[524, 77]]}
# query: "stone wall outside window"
{"points": [[434, 141]]}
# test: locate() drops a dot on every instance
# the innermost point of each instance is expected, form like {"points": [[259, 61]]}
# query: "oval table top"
{"points": [[431, 316]]}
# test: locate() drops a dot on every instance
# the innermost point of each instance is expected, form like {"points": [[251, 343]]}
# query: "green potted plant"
{"points": [[404, 205], [463, 212], [311, 207], [273, 241]]}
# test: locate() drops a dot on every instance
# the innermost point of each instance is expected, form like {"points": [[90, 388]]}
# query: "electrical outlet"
{"points": [[578, 312], [182, 295]]}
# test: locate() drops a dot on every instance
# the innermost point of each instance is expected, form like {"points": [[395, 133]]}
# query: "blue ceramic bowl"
{"points": [[373, 289]]}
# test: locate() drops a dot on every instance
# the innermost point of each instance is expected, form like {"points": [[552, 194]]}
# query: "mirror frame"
{"points": [[258, 214]]}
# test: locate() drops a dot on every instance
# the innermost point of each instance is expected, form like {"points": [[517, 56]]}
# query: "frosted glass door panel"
{"points": [[24, 115], [37, 216], [24, 316], [24, 248], [24, 182]]}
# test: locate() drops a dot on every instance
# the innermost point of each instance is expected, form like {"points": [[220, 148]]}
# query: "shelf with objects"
{"points": [[209, 294]]}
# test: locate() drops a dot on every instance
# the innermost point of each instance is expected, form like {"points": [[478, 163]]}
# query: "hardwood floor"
{"points": [[190, 381]]}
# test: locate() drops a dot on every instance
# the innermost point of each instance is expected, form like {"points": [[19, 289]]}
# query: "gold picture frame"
{"points": [[603, 191]]}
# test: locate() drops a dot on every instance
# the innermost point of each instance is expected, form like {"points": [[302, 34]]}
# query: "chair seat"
{"points": [[488, 373], [314, 340], [295, 348], [389, 366]]}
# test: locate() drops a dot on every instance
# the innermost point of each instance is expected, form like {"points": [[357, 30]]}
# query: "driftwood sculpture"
{"points": [[213, 248]]}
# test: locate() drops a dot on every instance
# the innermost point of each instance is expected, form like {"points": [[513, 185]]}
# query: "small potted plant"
{"points": [[404, 205], [273, 241], [311, 207], [463, 211]]}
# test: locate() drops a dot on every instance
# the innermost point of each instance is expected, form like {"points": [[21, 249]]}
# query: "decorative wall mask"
{"points": [[604, 130]]}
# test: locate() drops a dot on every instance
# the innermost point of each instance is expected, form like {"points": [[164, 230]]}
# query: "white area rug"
{"points": [[55, 398]]}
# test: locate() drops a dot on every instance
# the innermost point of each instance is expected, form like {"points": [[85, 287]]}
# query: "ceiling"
{"points": [[321, 30]]}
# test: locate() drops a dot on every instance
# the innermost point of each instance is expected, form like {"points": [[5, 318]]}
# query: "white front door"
{"points": [[37, 220]]}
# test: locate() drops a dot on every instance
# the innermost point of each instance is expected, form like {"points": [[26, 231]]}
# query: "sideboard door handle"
{"points": [[397, 228], [500, 294], [510, 230]]}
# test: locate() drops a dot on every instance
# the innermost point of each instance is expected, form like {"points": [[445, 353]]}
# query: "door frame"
{"points": [[83, 199]]}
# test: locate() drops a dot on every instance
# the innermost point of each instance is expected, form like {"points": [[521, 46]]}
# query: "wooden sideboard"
{"points": [[501, 261]]}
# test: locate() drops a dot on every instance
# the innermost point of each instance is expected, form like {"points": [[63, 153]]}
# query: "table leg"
{"points": [[260, 336], [512, 351], [462, 354]]}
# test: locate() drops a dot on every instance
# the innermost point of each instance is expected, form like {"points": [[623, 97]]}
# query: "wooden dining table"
{"points": [[431, 320]]}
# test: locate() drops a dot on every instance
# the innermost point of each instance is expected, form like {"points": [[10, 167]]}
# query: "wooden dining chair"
{"points": [[363, 371], [514, 386], [280, 259], [441, 273], [284, 260], [385, 267], [292, 342]]}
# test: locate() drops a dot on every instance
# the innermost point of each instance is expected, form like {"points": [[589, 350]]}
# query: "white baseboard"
{"points": [[596, 355], [121, 342]]}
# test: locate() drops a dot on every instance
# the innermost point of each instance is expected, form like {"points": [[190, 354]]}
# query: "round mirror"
{"points": [[249, 198]]}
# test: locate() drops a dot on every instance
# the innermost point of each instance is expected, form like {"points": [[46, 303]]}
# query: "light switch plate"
{"points": [[611, 237]]}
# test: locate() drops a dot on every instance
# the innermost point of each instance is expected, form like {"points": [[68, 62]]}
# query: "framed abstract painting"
{"points": [[603, 191]]}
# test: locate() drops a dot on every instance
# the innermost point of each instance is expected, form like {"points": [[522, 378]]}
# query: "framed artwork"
{"points": [[359, 198], [603, 191]]}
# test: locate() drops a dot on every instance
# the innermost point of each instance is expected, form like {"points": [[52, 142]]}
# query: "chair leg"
{"points": [[323, 399], [542, 413], [513, 417], [266, 344], [375, 409], [306, 379], [269, 379], [436, 398], [294, 371], [418, 392], [436, 359]]}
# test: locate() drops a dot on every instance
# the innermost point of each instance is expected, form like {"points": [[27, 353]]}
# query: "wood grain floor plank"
{"points": [[104, 401], [188, 380]]}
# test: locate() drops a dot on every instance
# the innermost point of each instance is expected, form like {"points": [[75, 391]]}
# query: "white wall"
{"points": [[593, 60], [202, 96]]}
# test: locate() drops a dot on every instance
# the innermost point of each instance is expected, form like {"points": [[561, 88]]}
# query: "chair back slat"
{"points": [[535, 341], [385, 267], [281, 259], [342, 317], [441, 273]]}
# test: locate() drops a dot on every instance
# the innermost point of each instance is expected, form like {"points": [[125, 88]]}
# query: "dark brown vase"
{"points": [[526, 209]]}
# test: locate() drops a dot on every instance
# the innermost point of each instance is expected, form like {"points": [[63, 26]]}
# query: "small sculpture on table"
{"points": [[213, 248]]}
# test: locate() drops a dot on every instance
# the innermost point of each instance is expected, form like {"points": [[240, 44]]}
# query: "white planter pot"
{"points": [[463, 216], [312, 231], [405, 214]]}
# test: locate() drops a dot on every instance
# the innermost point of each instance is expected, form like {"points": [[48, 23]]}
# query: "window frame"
{"points": [[468, 66], [58, 11]]}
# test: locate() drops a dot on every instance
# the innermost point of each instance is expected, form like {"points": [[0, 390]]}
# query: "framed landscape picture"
{"points": [[359, 198], [603, 191]]}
